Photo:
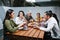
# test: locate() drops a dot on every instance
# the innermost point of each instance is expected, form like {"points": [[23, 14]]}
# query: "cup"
{"points": [[25, 27], [42, 24]]}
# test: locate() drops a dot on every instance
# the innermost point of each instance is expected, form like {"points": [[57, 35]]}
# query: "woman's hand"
{"points": [[24, 23], [31, 20], [30, 24], [37, 27]]}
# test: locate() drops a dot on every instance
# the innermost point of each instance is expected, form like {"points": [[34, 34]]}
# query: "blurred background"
{"points": [[20, 3], [33, 6]]}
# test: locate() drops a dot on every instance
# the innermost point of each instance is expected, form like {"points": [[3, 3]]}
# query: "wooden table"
{"points": [[31, 34]]}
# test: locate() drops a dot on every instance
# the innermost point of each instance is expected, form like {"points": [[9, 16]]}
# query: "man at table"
{"points": [[52, 25], [29, 16]]}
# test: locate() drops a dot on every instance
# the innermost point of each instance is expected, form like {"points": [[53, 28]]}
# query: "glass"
{"points": [[25, 27], [42, 24]]}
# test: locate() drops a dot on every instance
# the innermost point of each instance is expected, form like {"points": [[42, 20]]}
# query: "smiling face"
{"points": [[21, 15]]}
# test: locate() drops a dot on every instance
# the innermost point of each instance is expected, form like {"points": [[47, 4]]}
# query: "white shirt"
{"points": [[52, 23], [18, 20]]}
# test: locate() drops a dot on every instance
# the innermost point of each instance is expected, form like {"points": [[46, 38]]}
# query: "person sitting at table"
{"points": [[8, 23], [20, 19], [29, 17], [52, 26], [55, 16], [38, 17]]}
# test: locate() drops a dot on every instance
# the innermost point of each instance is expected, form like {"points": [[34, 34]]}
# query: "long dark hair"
{"points": [[9, 11], [55, 16], [49, 13], [22, 12]]}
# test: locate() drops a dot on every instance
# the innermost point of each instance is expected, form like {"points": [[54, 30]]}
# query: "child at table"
{"points": [[38, 17]]}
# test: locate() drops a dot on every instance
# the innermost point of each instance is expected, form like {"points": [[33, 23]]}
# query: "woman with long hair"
{"points": [[9, 24], [20, 19]]}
